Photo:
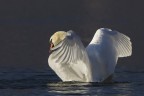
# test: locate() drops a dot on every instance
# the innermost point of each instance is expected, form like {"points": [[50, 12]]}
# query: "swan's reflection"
{"points": [[71, 88], [113, 89]]}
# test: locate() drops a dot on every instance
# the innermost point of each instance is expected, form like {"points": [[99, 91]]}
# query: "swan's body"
{"points": [[72, 62]]}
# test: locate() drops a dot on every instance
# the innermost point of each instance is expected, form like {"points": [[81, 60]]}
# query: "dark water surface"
{"points": [[48, 84]]}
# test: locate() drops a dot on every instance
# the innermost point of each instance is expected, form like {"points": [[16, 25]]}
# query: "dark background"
{"points": [[26, 26]]}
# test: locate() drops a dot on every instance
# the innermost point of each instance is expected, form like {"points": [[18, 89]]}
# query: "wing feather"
{"points": [[117, 40], [70, 61], [104, 50]]}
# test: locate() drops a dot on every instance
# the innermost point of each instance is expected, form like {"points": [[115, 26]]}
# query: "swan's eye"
{"points": [[50, 40]]}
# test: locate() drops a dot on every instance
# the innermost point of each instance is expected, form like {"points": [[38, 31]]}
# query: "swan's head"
{"points": [[56, 38]]}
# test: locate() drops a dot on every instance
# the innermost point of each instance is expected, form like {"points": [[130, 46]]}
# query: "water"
{"points": [[48, 84]]}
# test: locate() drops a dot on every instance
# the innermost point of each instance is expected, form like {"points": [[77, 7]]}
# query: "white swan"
{"points": [[95, 63]]}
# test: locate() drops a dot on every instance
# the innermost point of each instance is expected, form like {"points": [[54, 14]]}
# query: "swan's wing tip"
{"points": [[104, 29], [121, 42]]}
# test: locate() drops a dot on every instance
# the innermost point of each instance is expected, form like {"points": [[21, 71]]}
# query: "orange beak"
{"points": [[51, 46]]}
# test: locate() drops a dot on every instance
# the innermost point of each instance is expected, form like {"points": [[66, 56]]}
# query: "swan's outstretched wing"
{"points": [[69, 59], [104, 50]]}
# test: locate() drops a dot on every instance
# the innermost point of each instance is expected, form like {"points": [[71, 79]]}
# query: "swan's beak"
{"points": [[51, 46]]}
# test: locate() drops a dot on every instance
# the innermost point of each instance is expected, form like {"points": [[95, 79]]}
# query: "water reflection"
{"points": [[75, 88]]}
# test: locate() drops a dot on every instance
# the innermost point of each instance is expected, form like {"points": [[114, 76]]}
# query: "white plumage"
{"points": [[72, 62]]}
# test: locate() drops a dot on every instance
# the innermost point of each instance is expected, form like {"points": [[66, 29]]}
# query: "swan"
{"points": [[71, 61]]}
